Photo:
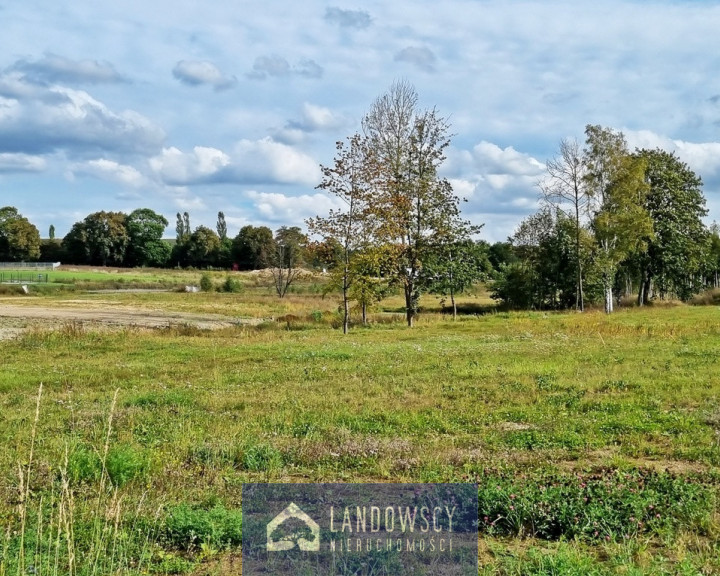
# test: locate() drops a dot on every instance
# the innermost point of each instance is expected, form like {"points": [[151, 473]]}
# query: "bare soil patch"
{"points": [[112, 316]]}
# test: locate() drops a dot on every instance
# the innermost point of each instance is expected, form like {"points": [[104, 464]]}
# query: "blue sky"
{"points": [[205, 107]]}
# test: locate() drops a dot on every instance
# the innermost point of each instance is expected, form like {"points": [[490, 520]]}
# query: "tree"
{"points": [[51, 232], [145, 245], [100, 239], [616, 185], [677, 250], [19, 239], [543, 274], [349, 180], [286, 261], [180, 233], [203, 247], [253, 247], [565, 190], [412, 206], [453, 267], [713, 256], [221, 226]]}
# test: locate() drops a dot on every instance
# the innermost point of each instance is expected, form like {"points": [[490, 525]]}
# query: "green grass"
{"points": [[595, 440]]}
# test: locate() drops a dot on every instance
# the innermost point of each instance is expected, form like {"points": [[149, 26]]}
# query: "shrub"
{"points": [[206, 283], [232, 285]]}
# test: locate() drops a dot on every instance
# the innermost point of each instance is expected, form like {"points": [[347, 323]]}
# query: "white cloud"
{"points": [[491, 158], [195, 73], [251, 161], [37, 120], [287, 209], [269, 161], [54, 68], [113, 171], [21, 163], [702, 157], [179, 168]]}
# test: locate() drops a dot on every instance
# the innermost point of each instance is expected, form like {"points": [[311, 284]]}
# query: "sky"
{"points": [[233, 106]]}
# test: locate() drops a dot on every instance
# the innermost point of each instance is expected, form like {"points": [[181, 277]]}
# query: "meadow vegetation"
{"points": [[594, 438]]}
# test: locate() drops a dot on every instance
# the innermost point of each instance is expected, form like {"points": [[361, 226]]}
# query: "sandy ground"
{"points": [[13, 318]]}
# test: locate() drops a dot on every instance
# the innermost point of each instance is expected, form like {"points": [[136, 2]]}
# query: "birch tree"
{"points": [[565, 189]]}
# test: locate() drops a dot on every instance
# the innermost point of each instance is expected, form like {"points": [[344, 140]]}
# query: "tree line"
{"points": [[612, 223]]}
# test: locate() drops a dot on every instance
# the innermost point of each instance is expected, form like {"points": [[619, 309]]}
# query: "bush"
{"points": [[206, 283], [232, 285]]}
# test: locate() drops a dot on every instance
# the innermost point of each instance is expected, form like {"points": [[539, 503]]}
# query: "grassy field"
{"points": [[595, 440]]}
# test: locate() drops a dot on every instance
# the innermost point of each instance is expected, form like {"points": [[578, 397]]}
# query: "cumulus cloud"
{"points": [[53, 68], [251, 162], [702, 157], [267, 161], [420, 57], [110, 170], [21, 163], [196, 73], [37, 120], [282, 208], [278, 67], [177, 168], [348, 18]]}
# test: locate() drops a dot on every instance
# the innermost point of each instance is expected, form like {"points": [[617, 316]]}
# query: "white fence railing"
{"points": [[29, 265]]}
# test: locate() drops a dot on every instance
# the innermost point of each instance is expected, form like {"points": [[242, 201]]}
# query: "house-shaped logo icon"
{"points": [[288, 542]]}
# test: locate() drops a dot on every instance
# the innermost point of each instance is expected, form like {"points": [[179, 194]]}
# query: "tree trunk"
{"points": [[363, 307], [608, 300], [346, 305], [579, 297], [454, 305], [409, 305]]}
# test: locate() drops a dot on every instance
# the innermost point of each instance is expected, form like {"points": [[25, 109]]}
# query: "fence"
{"points": [[23, 278], [29, 265]]}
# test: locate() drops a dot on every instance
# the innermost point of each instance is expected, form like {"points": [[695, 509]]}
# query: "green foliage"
{"points": [[202, 248], [145, 229], [253, 247], [232, 285], [125, 463], [545, 275], [677, 251], [596, 506], [452, 267], [19, 239], [206, 283], [100, 239], [261, 458], [84, 465], [188, 527]]}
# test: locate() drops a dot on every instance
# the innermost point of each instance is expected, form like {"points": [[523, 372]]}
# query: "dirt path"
{"points": [[11, 314]]}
